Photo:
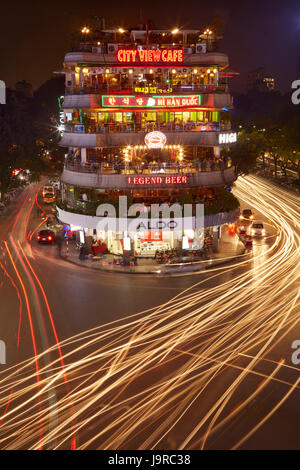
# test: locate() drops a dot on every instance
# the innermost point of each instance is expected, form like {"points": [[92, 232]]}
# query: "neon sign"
{"points": [[152, 89], [133, 101], [155, 140], [133, 56], [164, 180]]}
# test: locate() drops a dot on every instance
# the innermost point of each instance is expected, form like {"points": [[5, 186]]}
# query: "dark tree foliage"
{"points": [[246, 150], [271, 124], [28, 127], [17, 139]]}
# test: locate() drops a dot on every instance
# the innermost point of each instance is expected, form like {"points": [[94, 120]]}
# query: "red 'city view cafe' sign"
{"points": [[164, 180], [139, 101], [150, 56]]}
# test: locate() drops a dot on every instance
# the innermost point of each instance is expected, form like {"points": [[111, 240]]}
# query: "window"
{"points": [[215, 116], [150, 116], [200, 116]]}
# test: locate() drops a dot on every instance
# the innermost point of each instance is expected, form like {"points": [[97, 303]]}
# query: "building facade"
{"points": [[258, 80], [146, 116]]}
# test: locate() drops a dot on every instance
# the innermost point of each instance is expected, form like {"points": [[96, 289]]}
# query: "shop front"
{"points": [[149, 243]]}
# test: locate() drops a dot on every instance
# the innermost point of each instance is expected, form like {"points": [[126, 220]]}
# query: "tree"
{"points": [[29, 136], [245, 151], [292, 144], [17, 139]]}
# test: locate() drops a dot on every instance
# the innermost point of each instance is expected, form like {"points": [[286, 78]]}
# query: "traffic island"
{"points": [[231, 249]]}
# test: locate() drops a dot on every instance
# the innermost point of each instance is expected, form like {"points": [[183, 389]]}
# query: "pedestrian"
{"points": [[81, 253], [59, 243]]}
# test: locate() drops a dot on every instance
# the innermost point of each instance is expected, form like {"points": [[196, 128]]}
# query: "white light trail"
{"points": [[134, 383]]}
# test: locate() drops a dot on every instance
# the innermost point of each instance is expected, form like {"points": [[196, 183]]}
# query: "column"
{"points": [[215, 239], [217, 152], [83, 156]]}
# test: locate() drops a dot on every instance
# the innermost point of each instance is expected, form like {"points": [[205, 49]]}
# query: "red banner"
{"points": [[152, 237]]}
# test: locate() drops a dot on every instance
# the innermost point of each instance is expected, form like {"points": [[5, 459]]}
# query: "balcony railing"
{"points": [[144, 128], [132, 168], [104, 89]]}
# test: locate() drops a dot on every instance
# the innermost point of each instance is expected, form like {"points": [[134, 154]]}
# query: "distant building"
{"points": [[269, 83], [259, 81], [25, 88]]}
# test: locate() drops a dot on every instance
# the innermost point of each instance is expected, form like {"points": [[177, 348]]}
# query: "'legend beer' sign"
{"points": [[155, 180]]}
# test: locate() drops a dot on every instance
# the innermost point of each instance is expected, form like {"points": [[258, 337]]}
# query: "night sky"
{"points": [[37, 34]]}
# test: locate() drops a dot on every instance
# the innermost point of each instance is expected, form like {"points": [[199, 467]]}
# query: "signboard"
{"points": [[150, 56], [165, 180], [152, 237], [81, 237], [228, 138], [61, 119], [139, 101], [152, 89], [68, 235], [155, 140]]}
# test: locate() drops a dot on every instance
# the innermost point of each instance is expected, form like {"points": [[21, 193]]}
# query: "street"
{"points": [[116, 361]]}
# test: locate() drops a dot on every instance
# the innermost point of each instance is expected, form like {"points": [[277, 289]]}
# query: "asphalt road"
{"points": [[195, 361]]}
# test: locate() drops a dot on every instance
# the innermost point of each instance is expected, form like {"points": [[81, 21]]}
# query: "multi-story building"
{"points": [[147, 115], [259, 81]]}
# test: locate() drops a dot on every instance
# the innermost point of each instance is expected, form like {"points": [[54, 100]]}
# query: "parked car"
{"points": [[46, 236], [257, 229]]}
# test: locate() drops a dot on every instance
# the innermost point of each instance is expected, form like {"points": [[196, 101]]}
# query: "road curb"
{"points": [[180, 270]]}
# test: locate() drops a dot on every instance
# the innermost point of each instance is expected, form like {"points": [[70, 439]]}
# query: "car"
{"points": [[48, 189], [49, 198], [46, 236], [247, 214], [257, 229]]}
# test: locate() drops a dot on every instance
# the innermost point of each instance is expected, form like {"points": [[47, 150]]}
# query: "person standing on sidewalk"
{"points": [[59, 244]]}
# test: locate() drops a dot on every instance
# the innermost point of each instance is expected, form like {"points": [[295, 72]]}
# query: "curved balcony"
{"points": [[95, 58], [179, 89], [132, 168], [94, 100], [132, 127], [108, 135], [116, 177]]}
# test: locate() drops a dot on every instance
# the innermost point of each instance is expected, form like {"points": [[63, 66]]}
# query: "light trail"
{"points": [[32, 300], [176, 369]]}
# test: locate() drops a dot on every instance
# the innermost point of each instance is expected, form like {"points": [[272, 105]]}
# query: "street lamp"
{"points": [[175, 31], [208, 32], [85, 31]]}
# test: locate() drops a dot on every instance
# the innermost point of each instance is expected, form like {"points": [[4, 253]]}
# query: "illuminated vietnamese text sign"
{"points": [[133, 101], [164, 180], [133, 56], [152, 89]]}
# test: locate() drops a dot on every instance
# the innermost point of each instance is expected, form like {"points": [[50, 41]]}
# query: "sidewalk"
{"points": [[230, 247]]}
